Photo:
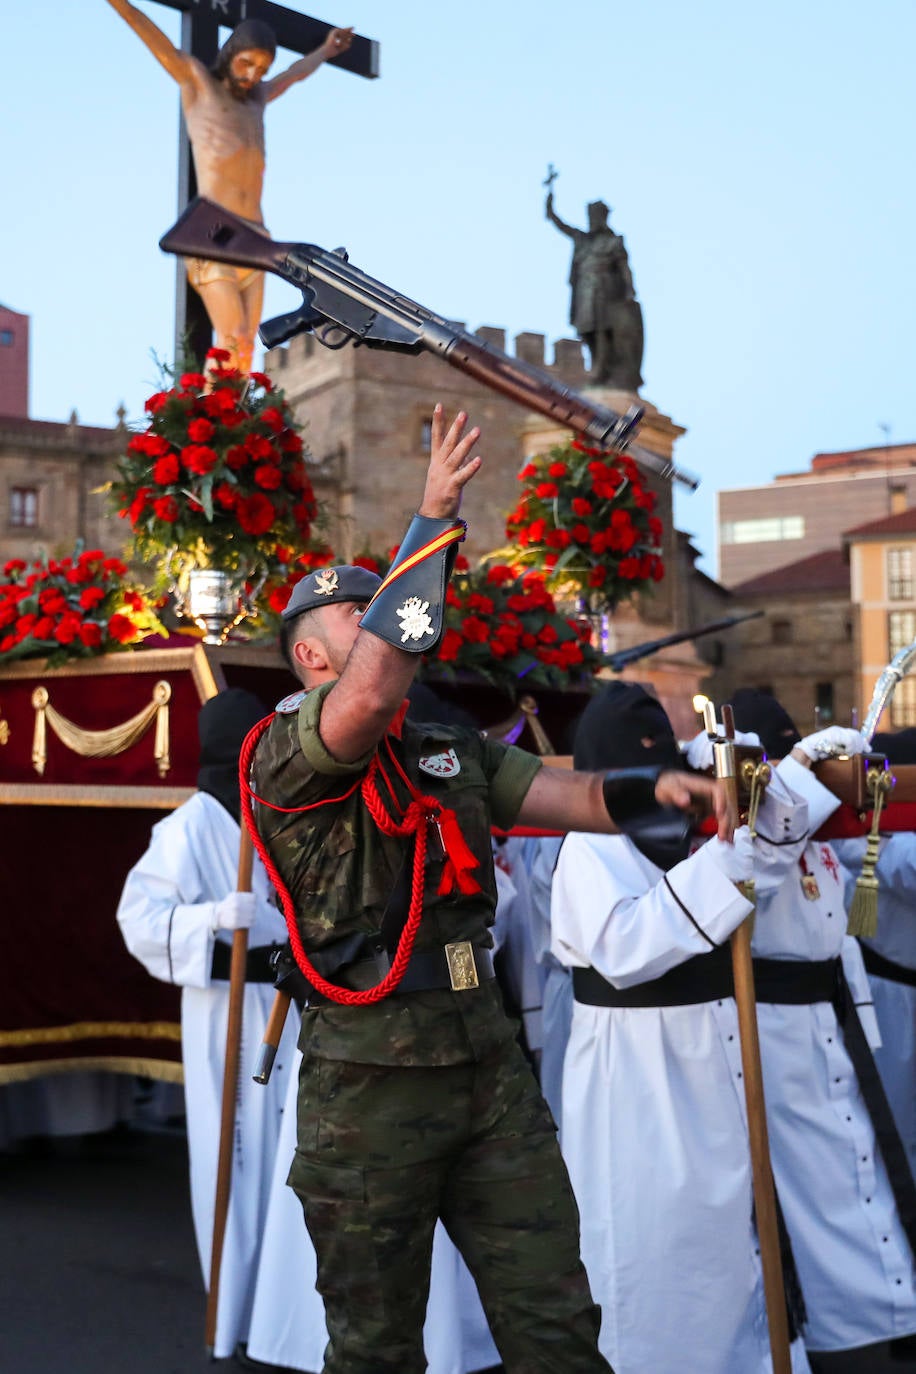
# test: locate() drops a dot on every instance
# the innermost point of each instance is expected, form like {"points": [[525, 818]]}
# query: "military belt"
{"points": [[460, 966]]}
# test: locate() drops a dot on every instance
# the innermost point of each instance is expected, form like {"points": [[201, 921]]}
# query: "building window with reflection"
{"points": [[900, 574], [426, 433], [766, 530], [825, 712], [903, 704], [901, 631], [781, 631], [24, 507]]}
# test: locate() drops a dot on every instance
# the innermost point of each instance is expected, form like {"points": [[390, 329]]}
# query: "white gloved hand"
{"points": [[699, 751], [829, 743], [734, 861], [235, 912]]}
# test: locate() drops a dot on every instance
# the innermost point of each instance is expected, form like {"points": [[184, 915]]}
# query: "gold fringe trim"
{"points": [[92, 1030], [102, 744], [863, 910], [160, 1069]]}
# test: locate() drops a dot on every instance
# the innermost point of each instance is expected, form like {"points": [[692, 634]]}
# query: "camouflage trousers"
{"points": [[385, 1151]]}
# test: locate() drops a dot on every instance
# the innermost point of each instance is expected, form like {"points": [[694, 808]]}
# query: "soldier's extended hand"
{"points": [[690, 791], [450, 465]]}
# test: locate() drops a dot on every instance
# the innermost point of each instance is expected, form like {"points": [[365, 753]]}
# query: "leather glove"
{"points": [[734, 861], [235, 912], [699, 750], [827, 744]]}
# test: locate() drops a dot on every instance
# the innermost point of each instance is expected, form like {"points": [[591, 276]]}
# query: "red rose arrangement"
{"points": [[71, 608], [505, 627], [585, 520], [217, 479]]}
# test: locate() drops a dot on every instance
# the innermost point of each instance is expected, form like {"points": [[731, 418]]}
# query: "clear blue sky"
{"points": [[758, 158]]}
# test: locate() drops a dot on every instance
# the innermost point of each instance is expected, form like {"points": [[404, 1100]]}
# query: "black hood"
{"points": [[610, 734], [760, 712], [222, 725]]}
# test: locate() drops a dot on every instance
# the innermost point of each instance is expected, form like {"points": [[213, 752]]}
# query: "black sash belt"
{"points": [[708, 978], [886, 968], [258, 968]]}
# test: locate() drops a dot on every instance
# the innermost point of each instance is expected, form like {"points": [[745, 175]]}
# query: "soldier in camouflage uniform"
{"points": [[420, 1105]]}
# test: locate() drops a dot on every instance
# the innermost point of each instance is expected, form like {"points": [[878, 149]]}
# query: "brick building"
{"points": [[14, 363], [882, 562]]}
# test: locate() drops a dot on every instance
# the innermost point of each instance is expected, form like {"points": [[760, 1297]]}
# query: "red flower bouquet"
{"points": [[71, 608], [217, 479], [585, 520], [506, 628]]}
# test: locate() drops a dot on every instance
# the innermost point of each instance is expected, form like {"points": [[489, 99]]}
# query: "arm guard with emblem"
{"points": [[408, 610]]}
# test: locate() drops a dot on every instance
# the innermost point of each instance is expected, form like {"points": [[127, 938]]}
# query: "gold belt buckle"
{"points": [[461, 967]]}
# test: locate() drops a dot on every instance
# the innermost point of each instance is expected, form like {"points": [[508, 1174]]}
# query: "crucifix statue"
{"points": [[224, 91]]}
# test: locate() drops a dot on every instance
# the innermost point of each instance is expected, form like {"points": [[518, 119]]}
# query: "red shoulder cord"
{"points": [[421, 810]]}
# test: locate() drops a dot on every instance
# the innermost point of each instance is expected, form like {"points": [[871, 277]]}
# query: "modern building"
{"points": [[799, 514]]}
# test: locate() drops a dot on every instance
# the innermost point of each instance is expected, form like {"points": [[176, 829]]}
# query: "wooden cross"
{"points": [[200, 25]]}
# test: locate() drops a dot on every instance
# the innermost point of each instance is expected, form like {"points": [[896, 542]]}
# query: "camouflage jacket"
{"points": [[341, 870]]}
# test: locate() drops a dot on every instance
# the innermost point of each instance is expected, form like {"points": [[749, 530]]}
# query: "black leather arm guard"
{"points": [[629, 795], [408, 610]]}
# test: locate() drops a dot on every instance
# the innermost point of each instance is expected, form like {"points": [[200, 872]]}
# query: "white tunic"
{"points": [[854, 1262], [654, 1128], [895, 1002], [166, 916]]}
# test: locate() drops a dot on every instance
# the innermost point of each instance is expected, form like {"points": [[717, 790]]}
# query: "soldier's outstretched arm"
{"points": [[360, 706], [176, 62], [593, 802], [337, 42]]}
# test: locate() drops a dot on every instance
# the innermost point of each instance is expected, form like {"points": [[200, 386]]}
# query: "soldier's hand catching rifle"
{"points": [[450, 465], [691, 792]]}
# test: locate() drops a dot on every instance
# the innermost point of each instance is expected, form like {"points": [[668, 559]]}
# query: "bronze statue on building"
{"points": [[603, 309]]}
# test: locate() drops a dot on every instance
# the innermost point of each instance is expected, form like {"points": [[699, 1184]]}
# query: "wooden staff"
{"points": [[230, 1089], [746, 1000], [272, 1032]]}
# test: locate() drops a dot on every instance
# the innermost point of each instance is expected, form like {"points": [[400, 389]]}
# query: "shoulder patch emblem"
{"points": [[290, 703], [444, 765]]}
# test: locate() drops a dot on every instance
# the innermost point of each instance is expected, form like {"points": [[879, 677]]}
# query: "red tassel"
{"points": [[459, 858]]}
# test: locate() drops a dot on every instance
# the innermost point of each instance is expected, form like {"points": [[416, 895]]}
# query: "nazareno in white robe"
{"points": [[853, 1258], [653, 1123], [166, 916], [895, 1001]]}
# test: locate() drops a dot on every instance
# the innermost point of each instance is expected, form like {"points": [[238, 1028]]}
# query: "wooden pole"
{"points": [[272, 1032], [761, 1169], [230, 1089]]}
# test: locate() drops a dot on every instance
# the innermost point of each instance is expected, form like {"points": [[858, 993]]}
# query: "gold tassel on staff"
{"points": [[102, 744], [863, 910]]}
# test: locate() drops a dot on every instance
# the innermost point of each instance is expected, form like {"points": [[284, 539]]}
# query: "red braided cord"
{"points": [[413, 823]]}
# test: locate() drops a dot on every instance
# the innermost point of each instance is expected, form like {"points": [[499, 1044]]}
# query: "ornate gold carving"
{"points": [[102, 744], [92, 1030]]}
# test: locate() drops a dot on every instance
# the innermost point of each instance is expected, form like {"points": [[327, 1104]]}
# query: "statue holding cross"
{"points": [[223, 107]]}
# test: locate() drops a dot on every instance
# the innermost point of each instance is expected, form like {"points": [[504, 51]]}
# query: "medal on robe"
{"points": [[808, 883]]}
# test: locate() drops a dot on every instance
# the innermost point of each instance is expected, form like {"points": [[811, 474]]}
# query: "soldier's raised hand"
{"points": [[451, 466]]}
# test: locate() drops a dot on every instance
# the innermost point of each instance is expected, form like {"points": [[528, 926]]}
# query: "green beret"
{"points": [[326, 585]]}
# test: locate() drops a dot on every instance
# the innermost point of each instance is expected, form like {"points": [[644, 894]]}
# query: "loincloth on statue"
{"points": [[203, 272]]}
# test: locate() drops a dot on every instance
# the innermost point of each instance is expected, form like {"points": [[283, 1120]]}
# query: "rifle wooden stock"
{"points": [[341, 302]]}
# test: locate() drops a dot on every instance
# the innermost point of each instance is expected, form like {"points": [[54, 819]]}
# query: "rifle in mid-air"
{"points": [[341, 304]]}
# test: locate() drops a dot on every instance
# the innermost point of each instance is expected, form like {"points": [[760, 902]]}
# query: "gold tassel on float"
{"points": [[102, 744], [863, 910]]}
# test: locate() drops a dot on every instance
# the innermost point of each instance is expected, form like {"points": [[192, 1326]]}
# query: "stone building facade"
{"points": [[50, 475]]}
